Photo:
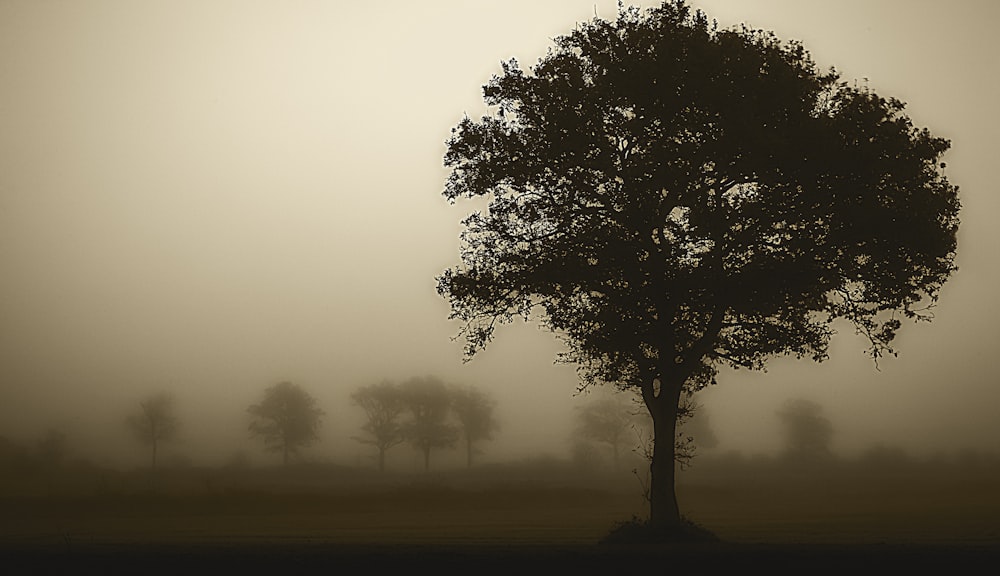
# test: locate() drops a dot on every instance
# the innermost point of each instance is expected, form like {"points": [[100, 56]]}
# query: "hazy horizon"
{"points": [[210, 197]]}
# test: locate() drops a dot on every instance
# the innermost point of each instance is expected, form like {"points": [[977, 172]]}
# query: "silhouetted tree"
{"points": [[473, 408], [156, 422], [287, 419], [428, 402], [806, 429], [384, 407], [667, 197]]}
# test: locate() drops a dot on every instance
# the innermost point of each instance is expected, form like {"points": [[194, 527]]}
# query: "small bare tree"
{"points": [[154, 423]]}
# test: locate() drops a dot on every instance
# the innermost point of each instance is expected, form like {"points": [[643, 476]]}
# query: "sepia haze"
{"points": [[208, 198]]}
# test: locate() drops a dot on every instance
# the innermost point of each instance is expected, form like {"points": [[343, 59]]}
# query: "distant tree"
{"points": [[287, 419], [428, 403], [473, 408], [669, 197], [52, 448], [609, 420], [585, 453], [237, 461], [155, 422], [806, 429], [384, 406]]}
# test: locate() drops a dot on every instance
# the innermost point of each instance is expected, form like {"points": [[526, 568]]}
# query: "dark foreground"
{"points": [[494, 558]]}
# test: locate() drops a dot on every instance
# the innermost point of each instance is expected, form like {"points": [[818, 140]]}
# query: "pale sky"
{"points": [[210, 196]]}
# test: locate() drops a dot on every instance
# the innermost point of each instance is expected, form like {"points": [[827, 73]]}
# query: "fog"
{"points": [[207, 198]]}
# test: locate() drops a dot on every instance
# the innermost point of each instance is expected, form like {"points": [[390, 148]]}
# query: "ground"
{"points": [[535, 519]]}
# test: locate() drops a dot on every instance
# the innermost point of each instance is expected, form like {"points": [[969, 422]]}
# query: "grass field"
{"points": [[542, 515]]}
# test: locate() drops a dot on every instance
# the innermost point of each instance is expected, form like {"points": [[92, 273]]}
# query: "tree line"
{"points": [[425, 412], [430, 415]]}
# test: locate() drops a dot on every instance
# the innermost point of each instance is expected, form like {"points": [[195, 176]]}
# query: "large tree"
{"points": [[155, 422], [287, 419], [668, 197], [384, 407]]}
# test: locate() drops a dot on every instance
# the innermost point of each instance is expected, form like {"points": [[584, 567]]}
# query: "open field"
{"points": [[503, 517]]}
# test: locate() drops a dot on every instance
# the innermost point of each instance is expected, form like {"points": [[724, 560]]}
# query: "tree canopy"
{"points": [[669, 197]]}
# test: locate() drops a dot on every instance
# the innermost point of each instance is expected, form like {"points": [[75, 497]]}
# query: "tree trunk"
{"points": [[468, 452], [427, 458], [663, 509], [284, 459], [153, 464], [381, 459]]}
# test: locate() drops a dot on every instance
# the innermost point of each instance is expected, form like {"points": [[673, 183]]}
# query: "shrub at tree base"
{"points": [[639, 532]]}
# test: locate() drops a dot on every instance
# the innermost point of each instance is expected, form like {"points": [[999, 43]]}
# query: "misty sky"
{"points": [[212, 196]]}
